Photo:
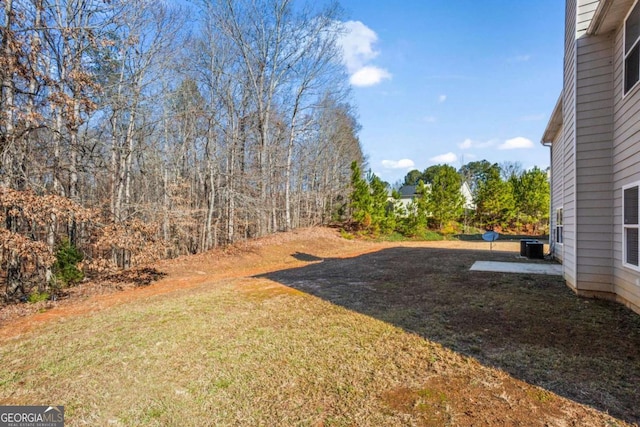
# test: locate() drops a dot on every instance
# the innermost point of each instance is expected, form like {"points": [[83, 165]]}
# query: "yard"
{"points": [[311, 329]]}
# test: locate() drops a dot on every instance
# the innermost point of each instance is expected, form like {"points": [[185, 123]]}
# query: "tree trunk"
{"points": [[8, 92], [287, 174]]}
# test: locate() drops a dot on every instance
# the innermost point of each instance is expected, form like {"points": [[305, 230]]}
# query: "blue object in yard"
{"points": [[490, 236]]}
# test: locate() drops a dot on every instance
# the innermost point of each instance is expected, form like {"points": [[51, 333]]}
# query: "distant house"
{"points": [[594, 136], [468, 197], [408, 193]]}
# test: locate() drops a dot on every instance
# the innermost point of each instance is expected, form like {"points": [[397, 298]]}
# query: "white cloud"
{"points": [[398, 164], [468, 144], [357, 44], [516, 143], [445, 158], [442, 98], [369, 76]]}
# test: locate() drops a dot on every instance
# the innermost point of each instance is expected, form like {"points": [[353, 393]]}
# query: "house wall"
{"points": [[582, 157], [593, 157], [595, 154], [585, 11], [557, 192], [626, 170], [564, 162]]}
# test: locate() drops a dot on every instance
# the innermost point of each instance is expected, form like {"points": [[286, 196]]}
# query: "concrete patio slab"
{"points": [[517, 267]]}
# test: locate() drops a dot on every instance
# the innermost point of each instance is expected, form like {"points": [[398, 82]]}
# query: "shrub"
{"points": [[430, 235], [38, 296], [451, 227], [65, 268], [346, 235]]}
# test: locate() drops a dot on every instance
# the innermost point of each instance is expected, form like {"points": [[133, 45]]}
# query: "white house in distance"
{"points": [[408, 193], [594, 137]]}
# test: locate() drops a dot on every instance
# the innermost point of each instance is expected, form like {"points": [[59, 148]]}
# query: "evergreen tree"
{"points": [[417, 211], [360, 198], [412, 177], [370, 206], [475, 172], [398, 211], [495, 205], [445, 201], [382, 218], [532, 195]]}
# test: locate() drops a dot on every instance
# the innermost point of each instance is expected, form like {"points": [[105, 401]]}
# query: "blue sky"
{"points": [[453, 81]]}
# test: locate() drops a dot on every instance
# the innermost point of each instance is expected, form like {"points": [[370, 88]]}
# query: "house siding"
{"points": [[586, 9], [594, 133], [582, 157], [564, 162], [626, 170], [557, 191], [596, 153]]}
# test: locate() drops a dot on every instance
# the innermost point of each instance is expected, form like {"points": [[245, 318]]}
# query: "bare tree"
{"points": [[313, 64], [508, 170], [178, 142], [8, 68]]}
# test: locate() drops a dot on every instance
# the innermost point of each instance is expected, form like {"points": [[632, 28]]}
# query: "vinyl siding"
{"points": [[596, 152], [626, 170], [557, 190], [586, 9], [592, 161], [565, 153]]}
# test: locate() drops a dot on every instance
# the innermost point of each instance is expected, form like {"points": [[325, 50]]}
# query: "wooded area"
{"points": [[132, 130]]}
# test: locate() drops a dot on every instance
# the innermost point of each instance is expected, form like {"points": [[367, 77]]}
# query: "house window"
{"points": [[630, 226], [632, 48], [559, 225]]}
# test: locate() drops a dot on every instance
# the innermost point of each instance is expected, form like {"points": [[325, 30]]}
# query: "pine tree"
{"points": [[445, 201], [415, 221], [495, 205], [531, 193], [382, 219], [361, 203]]}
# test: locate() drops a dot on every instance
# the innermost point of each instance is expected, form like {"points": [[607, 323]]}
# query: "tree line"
{"points": [[504, 197], [132, 130]]}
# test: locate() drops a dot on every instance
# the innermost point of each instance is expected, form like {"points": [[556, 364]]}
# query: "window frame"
{"points": [[559, 229], [636, 226], [626, 53]]}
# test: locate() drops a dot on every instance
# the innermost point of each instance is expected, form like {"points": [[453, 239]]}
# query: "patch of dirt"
{"points": [[243, 259], [463, 401], [72, 296], [139, 277], [561, 355]]}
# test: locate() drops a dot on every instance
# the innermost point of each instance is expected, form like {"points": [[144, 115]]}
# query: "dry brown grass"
{"points": [[268, 335]]}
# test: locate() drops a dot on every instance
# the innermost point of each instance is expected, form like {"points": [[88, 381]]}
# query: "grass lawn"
{"points": [[316, 330]]}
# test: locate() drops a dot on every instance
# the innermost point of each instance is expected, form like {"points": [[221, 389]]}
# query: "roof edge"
{"points": [[598, 17], [555, 123]]}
